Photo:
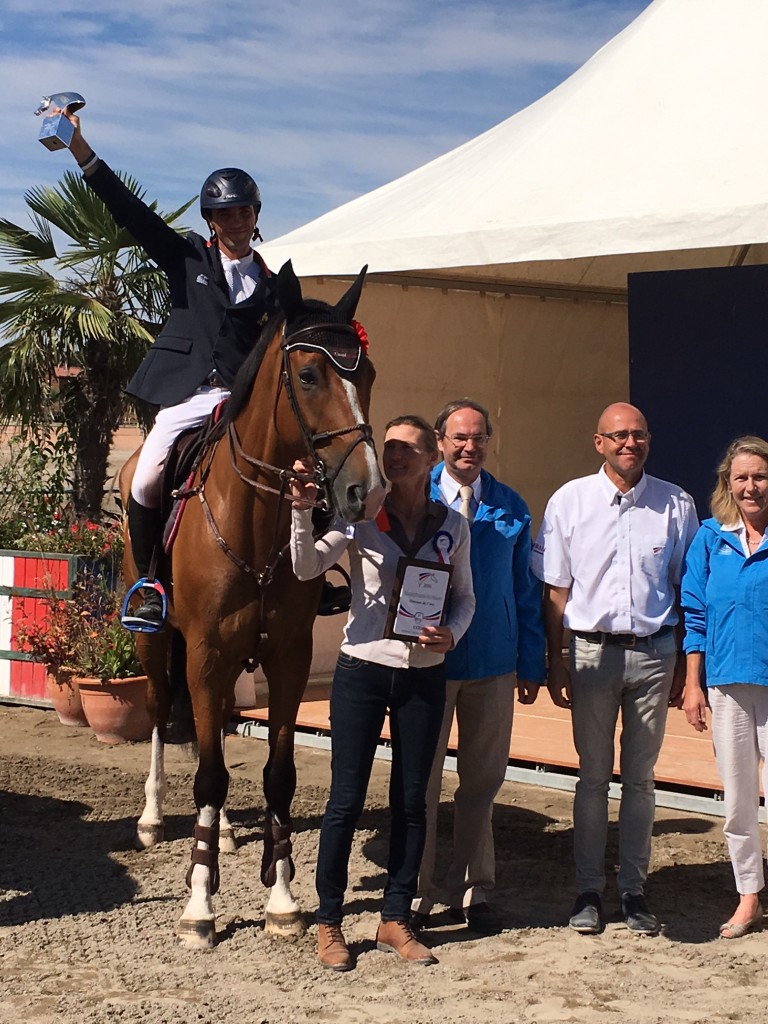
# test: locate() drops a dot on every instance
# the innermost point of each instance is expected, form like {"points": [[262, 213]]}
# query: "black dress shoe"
{"points": [[482, 919], [419, 920], [637, 915], [477, 916], [587, 914]]}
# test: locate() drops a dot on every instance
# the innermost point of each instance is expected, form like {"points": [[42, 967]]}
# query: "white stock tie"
{"points": [[466, 492], [238, 288]]}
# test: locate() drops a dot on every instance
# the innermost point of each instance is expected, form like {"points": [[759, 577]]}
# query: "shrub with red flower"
{"points": [[50, 641], [83, 632], [71, 536]]}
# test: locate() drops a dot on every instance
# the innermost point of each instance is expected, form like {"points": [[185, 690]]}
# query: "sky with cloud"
{"points": [[321, 100]]}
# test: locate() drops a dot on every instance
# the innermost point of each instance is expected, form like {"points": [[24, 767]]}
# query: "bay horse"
{"points": [[234, 598]]}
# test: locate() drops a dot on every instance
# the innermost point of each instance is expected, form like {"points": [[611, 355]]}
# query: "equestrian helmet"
{"points": [[229, 186]]}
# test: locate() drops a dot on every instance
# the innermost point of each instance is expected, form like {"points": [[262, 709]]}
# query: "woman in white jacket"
{"points": [[376, 675]]}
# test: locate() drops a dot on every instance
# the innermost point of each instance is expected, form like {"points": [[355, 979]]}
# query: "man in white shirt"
{"points": [[610, 552]]}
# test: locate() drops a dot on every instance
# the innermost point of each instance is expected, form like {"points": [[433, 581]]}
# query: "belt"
{"points": [[215, 380], [622, 639]]}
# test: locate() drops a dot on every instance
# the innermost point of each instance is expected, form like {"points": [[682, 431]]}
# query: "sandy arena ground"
{"points": [[87, 922]]}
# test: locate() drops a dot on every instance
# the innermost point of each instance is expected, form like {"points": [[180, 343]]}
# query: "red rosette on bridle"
{"points": [[362, 335]]}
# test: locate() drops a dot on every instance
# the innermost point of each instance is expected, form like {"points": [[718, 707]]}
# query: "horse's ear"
{"points": [[289, 292], [347, 304]]}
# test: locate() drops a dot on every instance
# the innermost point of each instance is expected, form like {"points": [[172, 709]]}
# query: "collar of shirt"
{"points": [[615, 496], [620, 562], [433, 520], [249, 271], [741, 533], [449, 488]]}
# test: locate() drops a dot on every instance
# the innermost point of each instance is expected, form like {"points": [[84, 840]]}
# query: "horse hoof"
{"points": [[289, 926], [196, 934], [227, 841], [148, 836]]}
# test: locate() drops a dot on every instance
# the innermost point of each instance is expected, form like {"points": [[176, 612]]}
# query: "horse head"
{"points": [[328, 377]]}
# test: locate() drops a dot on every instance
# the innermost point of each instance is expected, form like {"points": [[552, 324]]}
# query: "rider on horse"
{"points": [[221, 294]]}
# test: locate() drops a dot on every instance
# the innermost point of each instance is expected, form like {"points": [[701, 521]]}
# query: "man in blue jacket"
{"points": [[503, 648]]}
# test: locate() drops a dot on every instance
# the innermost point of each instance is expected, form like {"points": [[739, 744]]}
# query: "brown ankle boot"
{"points": [[332, 949], [397, 937]]}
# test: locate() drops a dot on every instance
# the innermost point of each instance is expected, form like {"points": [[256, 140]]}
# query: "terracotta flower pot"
{"points": [[62, 690], [116, 709]]}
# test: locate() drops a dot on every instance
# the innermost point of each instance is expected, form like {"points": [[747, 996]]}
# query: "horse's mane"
{"points": [[246, 375], [315, 312]]}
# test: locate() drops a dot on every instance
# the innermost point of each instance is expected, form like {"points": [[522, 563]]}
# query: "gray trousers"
{"points": [[484, 709], [608, 679]]}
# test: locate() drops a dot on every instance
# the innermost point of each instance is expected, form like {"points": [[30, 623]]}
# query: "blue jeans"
{"points": [[362, 692], [607, 680]]}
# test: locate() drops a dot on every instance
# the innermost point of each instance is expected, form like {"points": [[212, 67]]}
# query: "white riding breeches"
{"points": [[169, 423]]}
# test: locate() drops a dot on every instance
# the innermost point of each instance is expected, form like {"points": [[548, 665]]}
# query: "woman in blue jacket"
{"points": [[725, 600]]}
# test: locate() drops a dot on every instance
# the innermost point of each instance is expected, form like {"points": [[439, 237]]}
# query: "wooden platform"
{"points": [[542, 736]]}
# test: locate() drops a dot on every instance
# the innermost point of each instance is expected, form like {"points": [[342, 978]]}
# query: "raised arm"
{"points": [[161, 242]]}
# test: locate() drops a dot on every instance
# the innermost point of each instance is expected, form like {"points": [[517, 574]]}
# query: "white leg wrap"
{"points": [[281, 899], [227, 838], [200, 905], [150, 824]]}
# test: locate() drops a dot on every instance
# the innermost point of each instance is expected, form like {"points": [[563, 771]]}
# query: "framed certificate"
{"points": [[419, 598]]}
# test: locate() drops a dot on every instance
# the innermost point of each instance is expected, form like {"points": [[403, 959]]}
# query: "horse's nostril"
{"points": [[355, 497]]}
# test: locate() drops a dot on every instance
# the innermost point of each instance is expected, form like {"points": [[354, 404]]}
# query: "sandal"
{"points": [[733, 930]]}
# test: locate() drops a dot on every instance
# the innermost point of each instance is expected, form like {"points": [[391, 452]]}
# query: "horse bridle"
{"points": [[312, 442]]}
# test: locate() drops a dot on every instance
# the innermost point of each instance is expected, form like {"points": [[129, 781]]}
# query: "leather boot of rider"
{"points": [[144, 527]]}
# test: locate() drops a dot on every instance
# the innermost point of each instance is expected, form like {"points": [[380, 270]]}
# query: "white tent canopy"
{"points": [[655, 145], [500, 269]]}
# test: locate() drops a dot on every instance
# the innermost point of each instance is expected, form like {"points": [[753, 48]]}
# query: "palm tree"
{"points": [[77, 322]]}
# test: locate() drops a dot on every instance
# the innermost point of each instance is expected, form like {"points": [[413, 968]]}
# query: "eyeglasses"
{"points": [[622, 436], [460, 440]]}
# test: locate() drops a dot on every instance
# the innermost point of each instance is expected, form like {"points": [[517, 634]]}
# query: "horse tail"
{"points": [[181, 722]]}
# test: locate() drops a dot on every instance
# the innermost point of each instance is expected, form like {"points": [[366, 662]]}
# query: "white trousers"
{"points": [[169, 423], [740, 735]]}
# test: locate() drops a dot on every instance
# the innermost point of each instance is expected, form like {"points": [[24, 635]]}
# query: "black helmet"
{"points": [[229, 186]]}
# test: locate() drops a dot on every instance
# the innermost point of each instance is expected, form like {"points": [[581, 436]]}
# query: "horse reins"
{"points": [[312, 442]]}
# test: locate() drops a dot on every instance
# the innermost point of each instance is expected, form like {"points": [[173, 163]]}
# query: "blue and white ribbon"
{"points": [[442, 542]]}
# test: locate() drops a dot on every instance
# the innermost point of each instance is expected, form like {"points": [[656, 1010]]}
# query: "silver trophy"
{"points": [[56, 131]]}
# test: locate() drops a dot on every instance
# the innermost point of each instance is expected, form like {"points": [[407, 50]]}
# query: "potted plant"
{"points": [[50, 642], [113, 689], [44, 549], [99, 654]]}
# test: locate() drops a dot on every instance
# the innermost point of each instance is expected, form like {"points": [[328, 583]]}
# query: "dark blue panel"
{"points": [[698, 367]]}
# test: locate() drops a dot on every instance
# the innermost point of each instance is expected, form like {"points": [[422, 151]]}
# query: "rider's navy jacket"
{"points": [[204, 331]]}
